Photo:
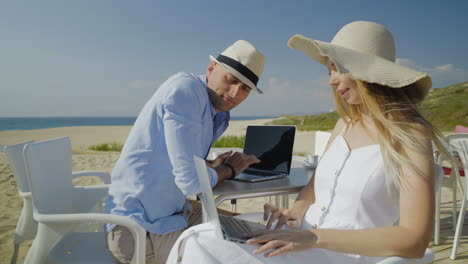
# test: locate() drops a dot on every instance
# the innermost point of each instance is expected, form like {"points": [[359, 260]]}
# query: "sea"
{"points": [[29, 123]]}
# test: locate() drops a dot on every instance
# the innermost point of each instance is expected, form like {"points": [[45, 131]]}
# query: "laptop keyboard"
{"points": [[260, 173], [234, 228]]}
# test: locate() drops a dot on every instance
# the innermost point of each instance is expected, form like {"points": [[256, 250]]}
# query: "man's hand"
{"points": [[219, 160], [241, 161]]}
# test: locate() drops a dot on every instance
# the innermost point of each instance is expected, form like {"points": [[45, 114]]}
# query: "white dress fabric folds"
{"points": [[351, 192]]}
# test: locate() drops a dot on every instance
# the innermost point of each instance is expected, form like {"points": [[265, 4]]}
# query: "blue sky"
{"points": [[107, 58]]}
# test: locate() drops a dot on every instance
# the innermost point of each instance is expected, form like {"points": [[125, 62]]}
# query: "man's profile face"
{"points": [[224, 89]]}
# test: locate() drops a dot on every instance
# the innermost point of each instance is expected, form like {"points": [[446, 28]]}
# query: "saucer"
{"points": [[309, 165]]}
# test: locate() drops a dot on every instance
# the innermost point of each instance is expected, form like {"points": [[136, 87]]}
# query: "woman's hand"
{"points": [[281, 241], [284, 216]]}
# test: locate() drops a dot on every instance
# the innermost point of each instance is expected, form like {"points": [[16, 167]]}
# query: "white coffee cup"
{"points": [[313, 159]]}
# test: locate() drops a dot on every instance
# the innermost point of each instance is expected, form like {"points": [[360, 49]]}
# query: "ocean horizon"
{"points": [[30, 123]]}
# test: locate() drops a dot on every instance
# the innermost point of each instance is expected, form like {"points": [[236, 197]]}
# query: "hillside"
{"points": [[447, 107], [443, 107]]}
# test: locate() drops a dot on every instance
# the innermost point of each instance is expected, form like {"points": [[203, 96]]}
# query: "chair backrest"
{"points": [[455, 142], [321, 140], [16, 159], [456, 136], [49, 170], [459, 147]]}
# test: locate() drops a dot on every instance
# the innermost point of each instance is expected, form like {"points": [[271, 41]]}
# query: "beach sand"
{"points": [[84, 159]]}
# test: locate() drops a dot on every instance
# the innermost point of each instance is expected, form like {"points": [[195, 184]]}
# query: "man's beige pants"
{"points": [[120, 240]]}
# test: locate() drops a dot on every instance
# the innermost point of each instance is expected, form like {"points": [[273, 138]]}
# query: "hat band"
{"points": [[246, 72]]}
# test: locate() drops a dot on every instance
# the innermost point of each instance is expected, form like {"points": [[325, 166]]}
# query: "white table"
{"points": [[297, 179]]}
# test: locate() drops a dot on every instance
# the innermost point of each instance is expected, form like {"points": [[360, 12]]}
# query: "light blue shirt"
{"points": [[155, 171]]}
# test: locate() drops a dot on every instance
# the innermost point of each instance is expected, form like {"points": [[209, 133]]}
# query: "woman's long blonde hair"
{"points": [[395, 113]]}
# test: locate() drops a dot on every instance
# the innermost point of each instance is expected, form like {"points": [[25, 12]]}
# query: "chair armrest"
{"points": [[427, 258], [93, 187], [139, 234], [105, 177], [26, 195]]}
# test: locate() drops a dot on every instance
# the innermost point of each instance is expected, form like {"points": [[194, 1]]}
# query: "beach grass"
{"points": [[223, 142], [230, 142], [114, 146], [447, 107]]}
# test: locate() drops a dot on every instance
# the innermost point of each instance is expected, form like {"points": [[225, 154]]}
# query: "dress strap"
{"points": [[344, 128]]}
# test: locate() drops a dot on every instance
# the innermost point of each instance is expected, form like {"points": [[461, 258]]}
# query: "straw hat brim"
{"points": [[361, 66], [238, 75]]}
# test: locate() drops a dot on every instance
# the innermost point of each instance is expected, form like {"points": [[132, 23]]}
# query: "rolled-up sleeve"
{"points": [[183, 131]]}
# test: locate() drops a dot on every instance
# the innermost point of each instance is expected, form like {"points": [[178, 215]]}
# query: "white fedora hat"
{"points": [[244, 61], [366, 51]]}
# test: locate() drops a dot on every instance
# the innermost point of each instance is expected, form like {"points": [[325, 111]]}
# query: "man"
{"points": [[155, 171]]}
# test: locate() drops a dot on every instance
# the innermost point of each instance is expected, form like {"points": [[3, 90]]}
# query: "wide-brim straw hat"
{"points": [[365, 51], [244, 61]]}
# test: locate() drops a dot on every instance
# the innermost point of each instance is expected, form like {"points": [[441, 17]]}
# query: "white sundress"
{"points": [[351, 192]]}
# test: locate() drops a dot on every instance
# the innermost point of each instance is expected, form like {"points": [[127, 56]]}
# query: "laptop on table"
{"points": [[273, 145], [228, 227]]}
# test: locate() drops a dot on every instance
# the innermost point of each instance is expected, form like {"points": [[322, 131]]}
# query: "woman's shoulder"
{"points": [[421, 135], [339, 126], [419, 130]]}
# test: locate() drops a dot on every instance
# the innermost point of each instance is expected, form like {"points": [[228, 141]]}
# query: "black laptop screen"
{"points": [[273, 145]]}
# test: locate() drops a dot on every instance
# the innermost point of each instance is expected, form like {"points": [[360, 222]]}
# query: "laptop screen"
{"points": [[206, 196], [273, 145]]}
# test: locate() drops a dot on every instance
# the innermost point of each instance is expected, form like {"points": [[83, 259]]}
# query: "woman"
{"points": [[373, 192]]}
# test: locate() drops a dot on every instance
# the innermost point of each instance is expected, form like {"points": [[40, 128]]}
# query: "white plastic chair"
{"points": [[321, 140], [460, 146], [26, 227], [59, 207], [452, 181]]}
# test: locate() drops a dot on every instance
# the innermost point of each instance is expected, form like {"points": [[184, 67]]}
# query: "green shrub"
{"points": [[230, 142], [114, 146]]}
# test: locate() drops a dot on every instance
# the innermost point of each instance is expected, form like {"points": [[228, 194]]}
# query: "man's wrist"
{"points": [[209, 163], [233, 171]]}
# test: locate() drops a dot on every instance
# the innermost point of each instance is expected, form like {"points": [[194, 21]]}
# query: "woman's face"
{"points": [[344, 86]]}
